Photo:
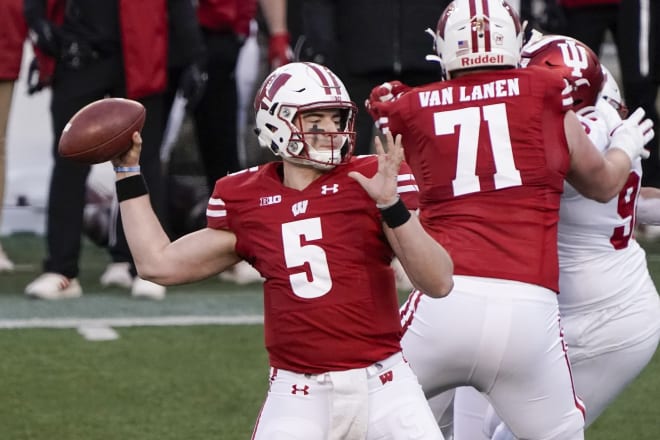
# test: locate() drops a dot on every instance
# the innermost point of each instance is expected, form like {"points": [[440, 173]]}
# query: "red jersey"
{"points": [[144, 25], [13, 31], [490, 156], [330, 301]]}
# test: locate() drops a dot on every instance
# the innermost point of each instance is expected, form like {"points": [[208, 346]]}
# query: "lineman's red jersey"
{"points": [[330, 300], [490, 156]]}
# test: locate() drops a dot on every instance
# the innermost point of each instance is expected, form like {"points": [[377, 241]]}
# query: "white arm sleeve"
{"points": [[648, 211]]}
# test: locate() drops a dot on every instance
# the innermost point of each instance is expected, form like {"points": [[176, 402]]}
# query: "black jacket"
{"points": [[370, 36]]}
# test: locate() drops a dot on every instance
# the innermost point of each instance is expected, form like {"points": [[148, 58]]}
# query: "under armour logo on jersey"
{"points": [[574, 56], [386, 377], [326, 189], [299, 208], [296, 390], [270, 200]]}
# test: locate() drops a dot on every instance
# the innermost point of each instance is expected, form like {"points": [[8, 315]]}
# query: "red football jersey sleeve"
{"points": [[330, 300], [490, 156]]}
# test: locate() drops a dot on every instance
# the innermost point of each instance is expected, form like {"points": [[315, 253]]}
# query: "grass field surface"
{"points": [[181, 368]]}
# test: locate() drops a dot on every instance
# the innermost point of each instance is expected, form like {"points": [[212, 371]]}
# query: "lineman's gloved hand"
{"points": [[609, 114], [632, 134], [381, 98]]}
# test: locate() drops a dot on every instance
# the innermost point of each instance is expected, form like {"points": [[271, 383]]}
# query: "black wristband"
{"points": [[131, 187], [395, 215]]}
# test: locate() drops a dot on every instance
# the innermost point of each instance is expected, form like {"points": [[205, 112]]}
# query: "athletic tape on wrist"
{"points": [[131, 187], [395, 215], [135, 169]]}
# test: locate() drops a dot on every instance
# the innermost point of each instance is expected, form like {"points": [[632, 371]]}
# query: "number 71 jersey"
{"points": [[489, 154], [330, 301]]}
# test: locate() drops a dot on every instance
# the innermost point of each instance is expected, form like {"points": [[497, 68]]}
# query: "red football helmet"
{"points": [[578, 64]]}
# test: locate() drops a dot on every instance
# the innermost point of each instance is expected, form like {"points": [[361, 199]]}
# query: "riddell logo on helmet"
{"points": [[482, 60]]}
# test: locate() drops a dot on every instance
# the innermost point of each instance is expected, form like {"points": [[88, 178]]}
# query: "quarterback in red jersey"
{"points": [[310, 226], [490, 149]]}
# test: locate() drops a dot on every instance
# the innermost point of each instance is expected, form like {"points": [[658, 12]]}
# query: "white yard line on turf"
{"points": [[130, 322]]}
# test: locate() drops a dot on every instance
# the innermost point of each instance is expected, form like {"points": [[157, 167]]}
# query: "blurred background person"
{"points": [[367, 45], [633, 25], [91, 49], [12, 36]]}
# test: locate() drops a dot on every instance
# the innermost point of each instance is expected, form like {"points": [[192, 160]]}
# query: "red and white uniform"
{"points": [[330, 301], [609, 304], [490, 162], [489, 179]]}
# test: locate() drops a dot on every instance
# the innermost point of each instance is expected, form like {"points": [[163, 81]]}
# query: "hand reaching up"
{"points": [[382, 186]]}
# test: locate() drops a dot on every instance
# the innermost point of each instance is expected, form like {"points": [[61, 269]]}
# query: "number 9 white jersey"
{"points": [[599, 259]]}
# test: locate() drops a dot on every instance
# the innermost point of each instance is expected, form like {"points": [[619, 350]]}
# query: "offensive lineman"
{"points": [[609, 305], [490, 149]]}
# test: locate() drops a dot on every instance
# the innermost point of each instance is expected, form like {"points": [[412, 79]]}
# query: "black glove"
{"points": [[193, 84], [34, 83], [45, 36]]}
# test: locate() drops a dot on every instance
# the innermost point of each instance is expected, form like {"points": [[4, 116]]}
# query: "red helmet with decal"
{"points": [[291, 90], [578, 64]]}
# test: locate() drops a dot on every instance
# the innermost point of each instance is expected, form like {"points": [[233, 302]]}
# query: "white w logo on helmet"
{"points": [[575, 57]]}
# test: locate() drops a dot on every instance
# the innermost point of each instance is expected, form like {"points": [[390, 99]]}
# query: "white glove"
{"points": [[608, 113], [632, 134]]}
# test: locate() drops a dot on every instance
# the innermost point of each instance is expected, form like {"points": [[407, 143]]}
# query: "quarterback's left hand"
{"points": [[382, 187]]}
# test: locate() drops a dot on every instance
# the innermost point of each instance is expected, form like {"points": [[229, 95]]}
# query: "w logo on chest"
{"points": [[299, 207]]}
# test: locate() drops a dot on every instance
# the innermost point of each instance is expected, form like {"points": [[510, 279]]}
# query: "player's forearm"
{"points": [[144, 234], [274, 12], [604, 181], [648, 206], [427, 264], [193, 257]]}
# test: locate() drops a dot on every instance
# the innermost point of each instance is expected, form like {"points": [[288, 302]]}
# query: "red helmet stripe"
{"points": [[335, 82], [269, 89], [486, 25], [323, 76], [473, 27], [442, 22]]}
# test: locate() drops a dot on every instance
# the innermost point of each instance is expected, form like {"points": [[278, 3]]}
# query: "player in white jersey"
{"points": [[609, 305]]}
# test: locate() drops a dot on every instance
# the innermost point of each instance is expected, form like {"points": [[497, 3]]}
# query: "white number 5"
{"points": [[297, 254]]}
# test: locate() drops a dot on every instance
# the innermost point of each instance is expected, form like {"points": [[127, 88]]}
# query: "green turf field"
{"points": [[173, 372]]}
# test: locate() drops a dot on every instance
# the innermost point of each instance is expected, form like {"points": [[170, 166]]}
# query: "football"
{"points": [[102, 130]]}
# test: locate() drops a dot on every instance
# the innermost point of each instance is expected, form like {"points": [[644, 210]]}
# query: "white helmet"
{"points": [[478, 33], [611, 94], [295, 88]]}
